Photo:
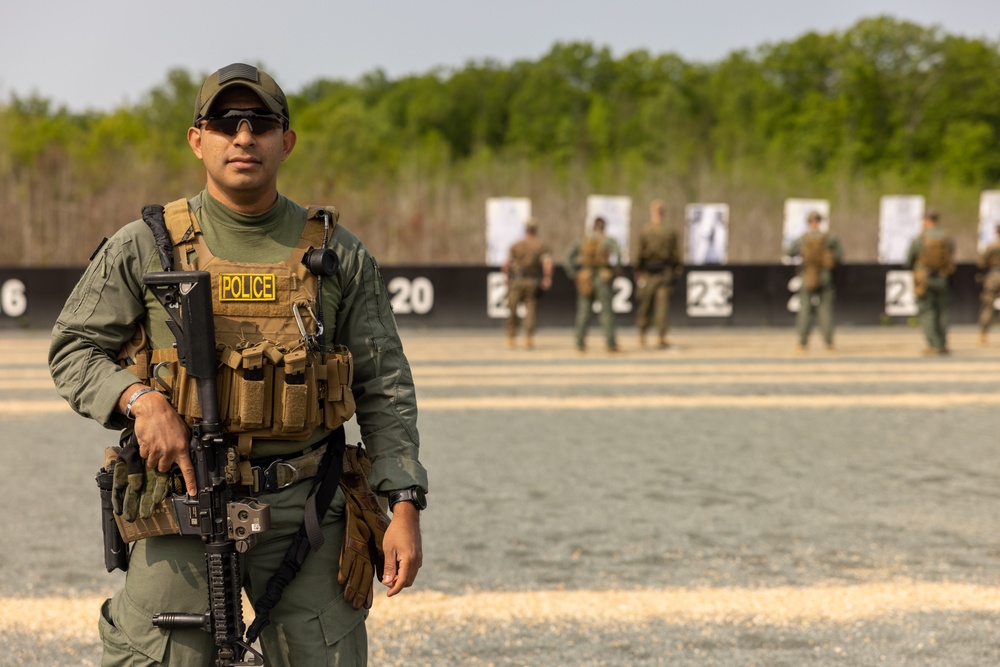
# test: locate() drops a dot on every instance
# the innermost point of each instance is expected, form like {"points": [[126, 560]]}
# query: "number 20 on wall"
{"points": [[411, 295]]}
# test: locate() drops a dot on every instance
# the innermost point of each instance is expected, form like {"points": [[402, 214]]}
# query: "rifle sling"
{"points": [[309, 535]]}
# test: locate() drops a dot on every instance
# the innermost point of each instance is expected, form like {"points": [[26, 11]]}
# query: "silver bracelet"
{"points": [[131, 400]]}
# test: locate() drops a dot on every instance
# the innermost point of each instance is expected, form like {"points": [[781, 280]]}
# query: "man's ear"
{"points": [[288, 138], [194, 141]]}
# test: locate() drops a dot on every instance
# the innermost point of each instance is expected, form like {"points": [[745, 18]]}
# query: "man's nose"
{"points": [[244, 133]]}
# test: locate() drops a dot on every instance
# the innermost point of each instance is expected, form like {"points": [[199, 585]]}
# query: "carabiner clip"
{"points": [[311, 340], [158, 379]]}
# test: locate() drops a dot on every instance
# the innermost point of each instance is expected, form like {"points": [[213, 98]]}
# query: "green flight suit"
{"points": [[525, 268], [657, 260], [932, 306], [602, 276], [311, 624], [817, 302]]}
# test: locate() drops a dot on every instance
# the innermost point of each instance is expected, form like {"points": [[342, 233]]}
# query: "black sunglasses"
{"points": [[259, 121]]}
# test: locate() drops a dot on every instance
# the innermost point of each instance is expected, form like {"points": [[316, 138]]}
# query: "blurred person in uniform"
{"points": [[658, 260], [988, 264], [821, 253], [528, 270], [240, 223], [593, 262], [931, 257]]}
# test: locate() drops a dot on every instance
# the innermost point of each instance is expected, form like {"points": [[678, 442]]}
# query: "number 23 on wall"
{"points": [[709, 294]]}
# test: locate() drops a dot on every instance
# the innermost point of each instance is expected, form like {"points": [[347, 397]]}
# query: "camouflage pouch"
{"points": [[811, 277], [585, 283], [919, 283], [142, 522]]}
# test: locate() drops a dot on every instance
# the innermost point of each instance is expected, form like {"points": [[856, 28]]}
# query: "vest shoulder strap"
{"points": [[313, 212], [175, 224], [315, 226], [180, 221]]}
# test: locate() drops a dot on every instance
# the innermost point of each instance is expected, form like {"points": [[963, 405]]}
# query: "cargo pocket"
{"points": [[128, 635], [344, 628], [116, 648]]}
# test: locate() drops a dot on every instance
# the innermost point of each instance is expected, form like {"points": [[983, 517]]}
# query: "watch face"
{"points": [[413, 495]]}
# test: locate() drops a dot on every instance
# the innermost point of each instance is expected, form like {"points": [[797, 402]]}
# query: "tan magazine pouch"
{"points": [[339, 405]]}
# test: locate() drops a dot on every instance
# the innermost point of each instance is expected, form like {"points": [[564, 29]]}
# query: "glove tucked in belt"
{"points": [[282, 473], [361, 556]]}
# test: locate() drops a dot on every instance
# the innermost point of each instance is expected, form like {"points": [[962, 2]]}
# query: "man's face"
{"points": [[242, 169]]}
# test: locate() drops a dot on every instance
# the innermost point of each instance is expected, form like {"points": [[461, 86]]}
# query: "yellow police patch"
{"points": [[247, 287]]}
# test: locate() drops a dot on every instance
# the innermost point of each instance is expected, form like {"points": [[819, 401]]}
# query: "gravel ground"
{"points": [[767, 534]]}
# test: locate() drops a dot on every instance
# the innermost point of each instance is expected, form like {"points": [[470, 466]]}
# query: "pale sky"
{"points": [[99, 55]]}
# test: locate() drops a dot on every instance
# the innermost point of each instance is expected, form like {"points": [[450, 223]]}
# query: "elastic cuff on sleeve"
{"points": [[106, 403], [398, 474]]}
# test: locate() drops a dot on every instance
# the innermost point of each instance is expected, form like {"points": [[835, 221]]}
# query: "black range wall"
{"points": [[474, 296]]}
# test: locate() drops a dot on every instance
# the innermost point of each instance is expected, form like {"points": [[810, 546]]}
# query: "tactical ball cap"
{"points": [[240, 74]]}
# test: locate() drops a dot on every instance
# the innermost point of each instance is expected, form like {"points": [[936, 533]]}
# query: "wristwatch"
{"points": [[412, 494]]}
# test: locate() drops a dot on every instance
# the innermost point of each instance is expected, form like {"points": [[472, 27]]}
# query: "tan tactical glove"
{"points": [[138, 488], [361, 557]]}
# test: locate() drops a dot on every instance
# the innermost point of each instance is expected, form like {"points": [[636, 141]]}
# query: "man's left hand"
{"points": [[403, 550]]}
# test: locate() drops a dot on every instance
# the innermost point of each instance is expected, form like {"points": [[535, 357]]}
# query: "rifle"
{"points": [[227, 526]]}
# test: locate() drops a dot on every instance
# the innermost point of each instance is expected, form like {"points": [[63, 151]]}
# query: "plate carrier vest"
{"points": [[273, 383], [936, 255]]}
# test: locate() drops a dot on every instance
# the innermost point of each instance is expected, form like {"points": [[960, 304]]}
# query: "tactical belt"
{"points": [[276, 474]]}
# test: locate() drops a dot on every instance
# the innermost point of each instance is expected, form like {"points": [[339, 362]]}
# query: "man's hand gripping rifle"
{"points": [[225, 525]]}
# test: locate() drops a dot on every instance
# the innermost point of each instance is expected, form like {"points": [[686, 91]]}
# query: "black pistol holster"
{"points": [[115, 549]]}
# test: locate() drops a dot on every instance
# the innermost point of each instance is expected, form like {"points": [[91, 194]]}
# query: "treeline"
{"points": [[885, 107]]}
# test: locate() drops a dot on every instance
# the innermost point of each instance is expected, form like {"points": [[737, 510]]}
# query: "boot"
{"points": [[642, 339], [529, 342], [663, 344]]}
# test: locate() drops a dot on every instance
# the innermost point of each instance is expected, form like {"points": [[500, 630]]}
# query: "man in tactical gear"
{"points": [[528, 270], [658, 260], [283, 391], [821, 253], [988, 265], [931, 257], [593, 262]]}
